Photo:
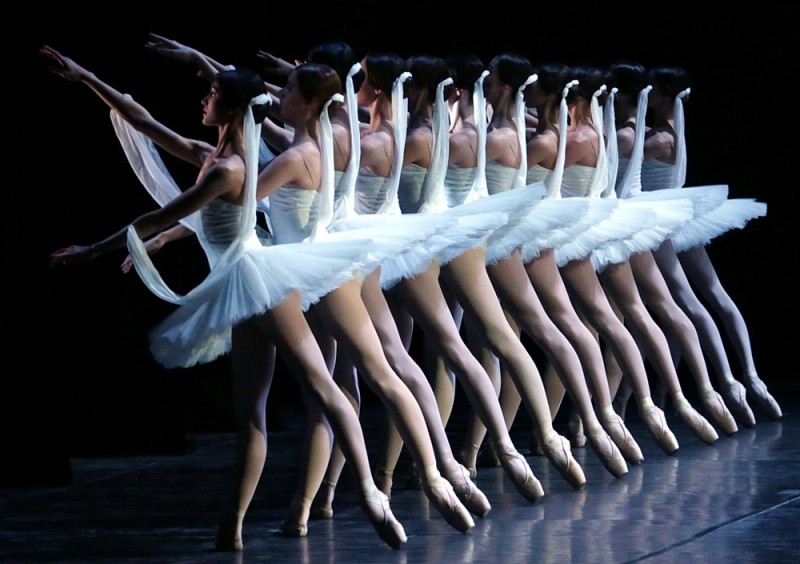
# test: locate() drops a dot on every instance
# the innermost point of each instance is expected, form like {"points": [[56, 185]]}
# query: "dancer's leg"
{"points": [[731, 389], [617, 280], [511, 282], [285, 326], [253, 362], [347, 317], [588, 295], [423, 299], [549, 286], [679, 330], [701, 272]]}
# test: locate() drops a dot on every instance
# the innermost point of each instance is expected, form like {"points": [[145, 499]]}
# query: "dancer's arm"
{"points": [[190, 150], [206, 66]]}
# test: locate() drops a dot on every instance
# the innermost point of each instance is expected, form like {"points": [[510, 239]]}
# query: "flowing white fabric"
{"points": [[479, 188], [325, 201], [553, 181], [433, 197], [680, 133], [344, 204], [612, 151], [600, 178], [519, 100], [633, 173], [400, 122]]}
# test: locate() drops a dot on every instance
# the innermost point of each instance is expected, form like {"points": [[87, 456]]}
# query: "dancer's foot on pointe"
{"points": [[577, 437], [764, 400], [296, 522], [655, 421], [696, 422], [616, 429], [605, 449], [520, 473], [229, 536], [558, 452], [719, 412], [376, 507], [322, 506], [444, 499], [473, 498], [735, 396]]}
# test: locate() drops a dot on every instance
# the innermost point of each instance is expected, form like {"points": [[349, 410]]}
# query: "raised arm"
{"points": [[206, 66], [156, 243], [190, 150]]}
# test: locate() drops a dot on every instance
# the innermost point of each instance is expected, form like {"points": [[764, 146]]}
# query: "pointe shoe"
{"points": [[469, 494], [389, 529], [606, 450], [696, 422], [322, 506], [619, 433], [758, 389], [468, 457], [735, 396], [719, 412], [517, 468], [383, 481], [558, 452], [577, 436], [656, 423], [444, 499], [296, 523]]}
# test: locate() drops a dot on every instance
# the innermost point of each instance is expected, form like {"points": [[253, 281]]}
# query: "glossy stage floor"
{"points": [[735, 501]]}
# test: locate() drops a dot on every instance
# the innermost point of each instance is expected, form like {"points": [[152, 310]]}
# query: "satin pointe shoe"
{"points": [[619, 433], [735, 396], [444, 499], [605, 449], [296, 522], [764, 400], [558, 452], [468, 457], [719, 412], [577, 437], [656, 423], [696, 422], [473, 498], [520, 473], [322, 506], [389, 529]]}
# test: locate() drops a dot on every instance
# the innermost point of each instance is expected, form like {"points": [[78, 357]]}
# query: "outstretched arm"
{"points": [[134, 113], [217, 181], [206, 66]]}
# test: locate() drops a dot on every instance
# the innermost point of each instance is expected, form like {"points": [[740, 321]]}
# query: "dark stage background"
{"points": [[78, 379]]}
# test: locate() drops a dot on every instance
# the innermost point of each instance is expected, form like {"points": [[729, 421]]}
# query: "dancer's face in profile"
{"points": [[213, 107], [367, 93], [292, 100]]}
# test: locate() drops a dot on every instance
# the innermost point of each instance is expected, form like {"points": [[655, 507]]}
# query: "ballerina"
{"points": [[219, 315]]}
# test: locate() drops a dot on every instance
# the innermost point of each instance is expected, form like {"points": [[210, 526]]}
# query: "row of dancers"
{"points": [[430, 192]]}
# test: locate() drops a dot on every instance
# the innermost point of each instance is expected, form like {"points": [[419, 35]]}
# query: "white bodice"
{"points": [[576, 181], [458, 183], [371, 191], [657, 175], [499, 178], [537, 173], [409, 192], [293, 214]]}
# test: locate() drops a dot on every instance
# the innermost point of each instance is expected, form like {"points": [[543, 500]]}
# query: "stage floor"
{"points": [[735, 501]]}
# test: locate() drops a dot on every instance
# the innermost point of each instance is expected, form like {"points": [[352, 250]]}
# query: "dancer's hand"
{"points": [[276, 62], [64, 66], [71, 255], [152, 247], [170, 48]]}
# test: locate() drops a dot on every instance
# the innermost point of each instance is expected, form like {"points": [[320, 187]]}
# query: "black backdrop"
{"points": [[78, 379]]}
